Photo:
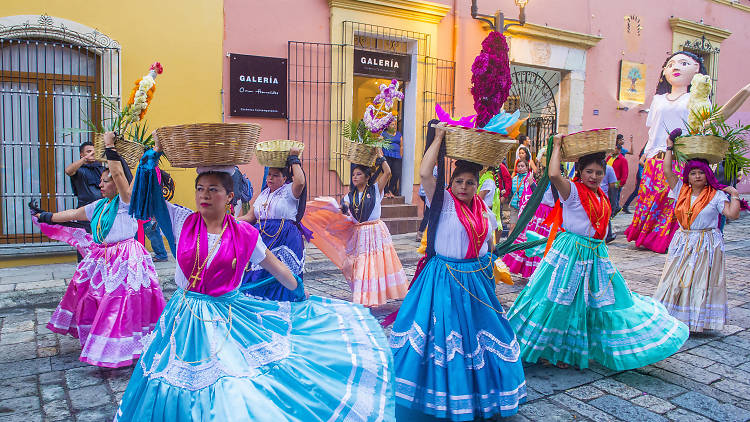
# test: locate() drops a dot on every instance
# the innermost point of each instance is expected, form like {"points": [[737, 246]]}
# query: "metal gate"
{"points": [[316, 111], [48, 89], [532, 92]]}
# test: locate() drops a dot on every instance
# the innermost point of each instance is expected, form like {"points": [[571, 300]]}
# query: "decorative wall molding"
{"points": [[48, 27], [733, 3], [417, 10], [697, 29], [553, 35]]}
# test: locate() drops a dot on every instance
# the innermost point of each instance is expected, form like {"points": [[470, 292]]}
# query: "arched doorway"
{"points": [[533, 92]]}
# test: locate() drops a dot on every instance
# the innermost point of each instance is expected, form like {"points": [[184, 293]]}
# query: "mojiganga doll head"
{"points": [[678, 70]]}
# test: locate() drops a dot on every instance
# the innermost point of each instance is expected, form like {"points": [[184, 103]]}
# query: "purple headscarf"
{"points": [[702, 165]]}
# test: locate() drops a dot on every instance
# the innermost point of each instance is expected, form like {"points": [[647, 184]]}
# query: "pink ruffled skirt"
{"points": [[112, 301]]}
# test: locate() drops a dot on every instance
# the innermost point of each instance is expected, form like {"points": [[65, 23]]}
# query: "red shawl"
{"points": [[597, 209], [474, 222]]}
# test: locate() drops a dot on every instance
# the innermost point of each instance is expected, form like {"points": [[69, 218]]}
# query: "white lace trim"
{"points": [[454, 342], [134, 271], [195, 376]]}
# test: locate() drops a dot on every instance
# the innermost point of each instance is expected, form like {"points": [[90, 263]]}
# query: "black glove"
{"points": [[379, 161], [45, 217], [34, 207], [112, 154], [292, 160]]}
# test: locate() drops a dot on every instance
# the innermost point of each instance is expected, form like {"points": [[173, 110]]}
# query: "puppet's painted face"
{"points": [[680, 70]]}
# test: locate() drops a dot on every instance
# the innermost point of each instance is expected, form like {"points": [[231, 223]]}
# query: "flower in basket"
{"points": [[490, 78], [378, 114], [710, 122], [142, 94]]}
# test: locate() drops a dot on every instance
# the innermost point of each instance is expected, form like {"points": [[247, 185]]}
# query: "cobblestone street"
{"points": [[709, 379]]}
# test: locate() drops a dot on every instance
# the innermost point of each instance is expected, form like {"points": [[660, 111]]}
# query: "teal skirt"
{"points": [[236, 358], [578, 307]]}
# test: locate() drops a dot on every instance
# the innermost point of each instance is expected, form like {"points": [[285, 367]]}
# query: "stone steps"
{"points": [[398, 216]]}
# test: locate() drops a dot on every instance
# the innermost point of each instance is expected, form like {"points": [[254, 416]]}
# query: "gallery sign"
{"points": [[257, 86], [382, 65]]}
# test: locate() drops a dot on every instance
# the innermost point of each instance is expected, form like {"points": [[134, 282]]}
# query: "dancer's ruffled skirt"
{"points": [[517, 261], [455, 354], [112, 301], [364, 252], [235, 358], [284, 239], [654, 222], [693, 285], [578, 307]]}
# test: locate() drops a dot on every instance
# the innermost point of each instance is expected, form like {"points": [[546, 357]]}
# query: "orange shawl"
{"points": [[684, 212]]}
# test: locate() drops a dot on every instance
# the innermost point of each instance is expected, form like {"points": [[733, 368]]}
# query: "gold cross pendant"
{"points": [[195, 278]]}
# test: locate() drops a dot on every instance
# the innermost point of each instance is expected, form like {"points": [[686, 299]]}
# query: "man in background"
{"points": [[85, 175]]}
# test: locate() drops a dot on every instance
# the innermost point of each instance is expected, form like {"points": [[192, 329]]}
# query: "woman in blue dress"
{"points": [[218, 355], [276, 213], [455, 354]]}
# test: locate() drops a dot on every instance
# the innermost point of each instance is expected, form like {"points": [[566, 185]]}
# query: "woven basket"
{"points": [[578, 144], [476, 145], [711, 148], [274, 153], [359, 153], [129, 150], [208, 144]]}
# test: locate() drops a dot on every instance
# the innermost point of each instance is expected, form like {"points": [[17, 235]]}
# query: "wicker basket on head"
{"points": [[359, 153], [476, 145], [208, 144], [578, 144], [274, 153], [710, 148], [129, 150]]}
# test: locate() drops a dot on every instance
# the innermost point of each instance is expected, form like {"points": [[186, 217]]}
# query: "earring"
{"points": [[228, 208]]}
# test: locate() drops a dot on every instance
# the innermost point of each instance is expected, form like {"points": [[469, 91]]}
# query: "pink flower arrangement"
{"points": [[377, 117], [490, 78]]}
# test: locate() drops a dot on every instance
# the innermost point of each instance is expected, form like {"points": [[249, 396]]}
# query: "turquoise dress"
{"points": [[455, 354], [577, 306], [229, 357]]}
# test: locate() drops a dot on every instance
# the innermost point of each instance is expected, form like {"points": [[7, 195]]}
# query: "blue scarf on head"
{"points": [[103, 218], [147, 200]]}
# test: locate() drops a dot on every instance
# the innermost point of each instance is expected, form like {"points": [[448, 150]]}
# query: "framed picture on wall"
{"points": [[632, 82]]}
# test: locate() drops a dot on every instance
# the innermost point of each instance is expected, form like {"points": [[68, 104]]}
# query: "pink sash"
{"points": [[224, 273]]}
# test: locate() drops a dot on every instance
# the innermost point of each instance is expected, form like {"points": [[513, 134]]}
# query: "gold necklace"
{"points": [[197, 276]]}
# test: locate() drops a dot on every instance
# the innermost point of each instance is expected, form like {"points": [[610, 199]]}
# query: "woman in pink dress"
{"points": [[114, 298]]}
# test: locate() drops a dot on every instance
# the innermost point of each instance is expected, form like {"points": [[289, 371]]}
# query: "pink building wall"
{"points": [[265, 30]]}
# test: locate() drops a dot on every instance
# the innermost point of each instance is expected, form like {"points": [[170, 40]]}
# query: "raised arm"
{"points": [[298, 176], [385, 175], [73, 167], [429, 160], [728, 109], [672, 178], [555, 177], [116, 171]]}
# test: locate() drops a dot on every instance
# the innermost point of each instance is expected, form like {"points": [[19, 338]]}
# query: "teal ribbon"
{"points": [[507, 246], [103, 218]]}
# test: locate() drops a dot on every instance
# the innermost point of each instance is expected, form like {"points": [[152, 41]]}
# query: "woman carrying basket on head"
{"points": [[577, 306], [654, 222], [693, 284], [113, 299], [277, 213], [357, 240], [455, 354], [217, 354]]}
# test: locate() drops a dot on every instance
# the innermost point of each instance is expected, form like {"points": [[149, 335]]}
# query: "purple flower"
{"points": [[490, 79]]}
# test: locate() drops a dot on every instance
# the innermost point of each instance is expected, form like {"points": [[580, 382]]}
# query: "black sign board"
{"points": [[382, 65], [257, 86]]}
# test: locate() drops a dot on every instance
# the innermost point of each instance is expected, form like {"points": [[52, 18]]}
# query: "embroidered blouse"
{"points": [[375, 214], [124, 226], [278, 204], [575, 219], [708, 217], [451, 239], [178, 215]]}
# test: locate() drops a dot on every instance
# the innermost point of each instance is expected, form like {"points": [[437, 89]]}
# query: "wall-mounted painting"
{"points": [[632, 82]]}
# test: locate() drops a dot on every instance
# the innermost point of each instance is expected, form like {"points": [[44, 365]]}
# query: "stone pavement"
{"points": [[41, 378]]}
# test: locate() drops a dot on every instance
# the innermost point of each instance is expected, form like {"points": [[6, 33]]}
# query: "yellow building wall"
{"points": [[184, 35]]}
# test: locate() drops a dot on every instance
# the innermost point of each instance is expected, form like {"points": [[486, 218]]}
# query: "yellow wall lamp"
{"points": [[497, 21]]}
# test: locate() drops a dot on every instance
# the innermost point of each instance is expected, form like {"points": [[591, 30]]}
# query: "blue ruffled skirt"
{"points": [[284, 239], [455, 354], [235, 358]]}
